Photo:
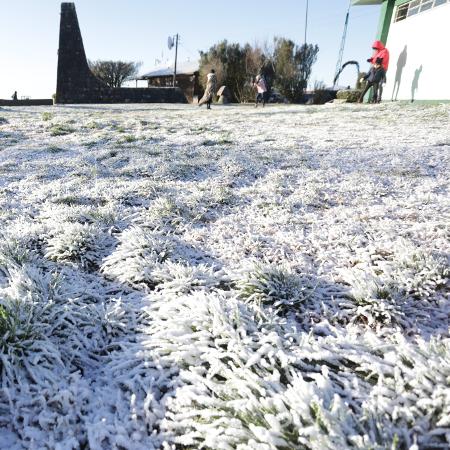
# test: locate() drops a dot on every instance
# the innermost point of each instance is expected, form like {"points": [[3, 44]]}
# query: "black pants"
{"points": [[260, 97], [376, 97], [380, 92]]}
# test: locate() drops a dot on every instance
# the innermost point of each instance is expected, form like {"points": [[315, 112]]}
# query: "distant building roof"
{"points": [[183, 68]]}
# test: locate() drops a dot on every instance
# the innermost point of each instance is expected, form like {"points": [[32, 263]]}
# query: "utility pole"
{"points": [[306, 19], [341, 50], [175, 66]]}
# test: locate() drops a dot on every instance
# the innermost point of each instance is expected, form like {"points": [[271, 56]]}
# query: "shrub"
{"points": [[349, 95]]}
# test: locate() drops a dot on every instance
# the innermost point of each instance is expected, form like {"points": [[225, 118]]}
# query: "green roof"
{"points": [[366, 2]]}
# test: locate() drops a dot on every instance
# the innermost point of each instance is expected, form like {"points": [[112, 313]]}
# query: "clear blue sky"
{"points": [[137, 30]]}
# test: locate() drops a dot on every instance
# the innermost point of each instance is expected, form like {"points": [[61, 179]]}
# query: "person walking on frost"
{"points": [[374, 78], [210, 90], [261, 90], [380, 52]]}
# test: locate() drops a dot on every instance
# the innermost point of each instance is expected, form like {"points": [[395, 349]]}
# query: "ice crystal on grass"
{"points": [[137, 256], [286, 291], [277, 288], [26, 301], [16, 328], [54, 149], [181, 278], [127, 139], [12, 249], [249, 412], [377, 302], [106, 215], [421, 404], [61, 129], [163, 210], [47, 116], [78, 244], [420, 273], [385, 283]]}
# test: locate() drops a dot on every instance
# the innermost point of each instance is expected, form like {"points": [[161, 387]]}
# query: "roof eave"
{"points": [[366, 2], [160, 75]]}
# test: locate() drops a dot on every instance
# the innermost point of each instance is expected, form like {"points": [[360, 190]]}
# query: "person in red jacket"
{"points": [[380, 51]]}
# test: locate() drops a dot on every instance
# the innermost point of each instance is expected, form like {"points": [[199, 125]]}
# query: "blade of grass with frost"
{"points": [[120, 364], [139, 252], [78, 244], [273, 287]]}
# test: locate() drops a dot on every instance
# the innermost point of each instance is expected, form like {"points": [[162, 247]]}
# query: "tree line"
{"points": [[285, 65]]}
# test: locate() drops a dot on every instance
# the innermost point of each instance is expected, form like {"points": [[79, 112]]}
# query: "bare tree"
{"points": [[114, 73]]}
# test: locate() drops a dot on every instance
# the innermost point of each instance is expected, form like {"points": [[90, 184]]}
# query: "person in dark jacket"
{"points": [[375, 78]]}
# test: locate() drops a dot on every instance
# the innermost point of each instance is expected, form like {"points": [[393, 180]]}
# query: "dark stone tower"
{"points": [[76, 83]]}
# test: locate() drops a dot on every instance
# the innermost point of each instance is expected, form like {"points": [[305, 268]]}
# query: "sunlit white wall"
{"points": [[419, 62]]}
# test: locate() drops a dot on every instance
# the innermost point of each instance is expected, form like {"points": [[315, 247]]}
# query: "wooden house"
{"points": [[187, 78]]}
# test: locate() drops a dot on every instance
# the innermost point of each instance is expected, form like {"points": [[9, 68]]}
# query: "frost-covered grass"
{"points": [[175, 278]]}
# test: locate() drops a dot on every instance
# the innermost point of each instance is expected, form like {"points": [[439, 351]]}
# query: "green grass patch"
{"points": [[61, 130], [55, 149], [72, 200], [93, 125], [46, 116], [127, 139]]}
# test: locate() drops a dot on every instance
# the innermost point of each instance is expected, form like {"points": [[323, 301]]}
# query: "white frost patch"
{"points": [[226, 279]]}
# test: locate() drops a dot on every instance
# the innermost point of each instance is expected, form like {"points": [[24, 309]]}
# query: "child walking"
{"points": [[261, 90]]}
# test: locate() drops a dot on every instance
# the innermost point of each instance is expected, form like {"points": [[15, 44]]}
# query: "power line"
{"points": [[306, 19], [341, 50], [188, 50]]}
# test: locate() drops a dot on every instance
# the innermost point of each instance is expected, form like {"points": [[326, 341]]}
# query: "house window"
{"points": [[402, 12], [426, 5], [413, 11], [413, 7], [416, 6]]}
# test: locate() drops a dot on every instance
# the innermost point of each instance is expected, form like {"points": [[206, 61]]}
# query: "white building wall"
{"points": [[422, 70]]}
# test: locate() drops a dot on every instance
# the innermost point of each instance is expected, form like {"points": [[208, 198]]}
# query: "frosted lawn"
{"points": [[233, 279]]}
